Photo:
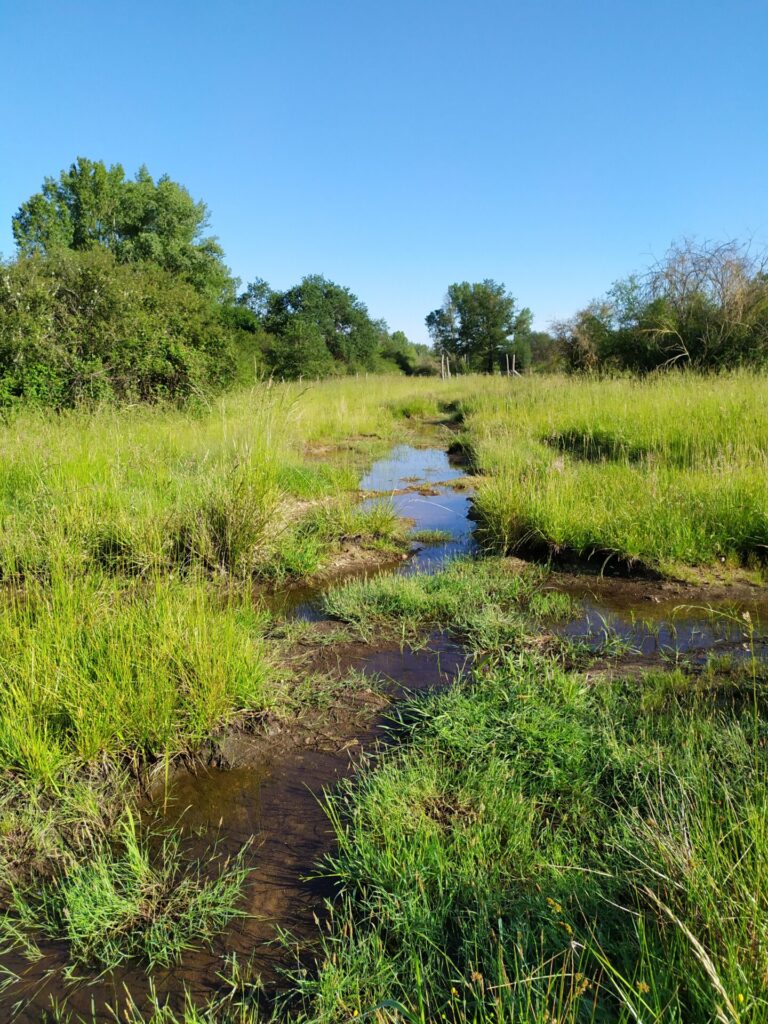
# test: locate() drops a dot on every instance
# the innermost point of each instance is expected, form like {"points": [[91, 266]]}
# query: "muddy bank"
{"points": [[270, 796]]}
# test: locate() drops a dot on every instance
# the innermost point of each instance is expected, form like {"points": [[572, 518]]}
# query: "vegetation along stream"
{"points": [[262, 791]]}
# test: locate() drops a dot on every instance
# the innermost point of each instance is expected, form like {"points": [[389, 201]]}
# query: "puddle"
{"points": [[670, 628], [414, 480]]}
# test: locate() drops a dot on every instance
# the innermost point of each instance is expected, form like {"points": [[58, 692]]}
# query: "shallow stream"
{"points": [[274, 795]]}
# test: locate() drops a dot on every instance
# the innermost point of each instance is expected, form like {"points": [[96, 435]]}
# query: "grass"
{"points": [[125, 901], [129, 634], [488, 603], [670, 472], [430, 536], [538, 848], [544, 850]]}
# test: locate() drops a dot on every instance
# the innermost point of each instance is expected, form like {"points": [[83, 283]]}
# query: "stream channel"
{"points": [[271, 795]]}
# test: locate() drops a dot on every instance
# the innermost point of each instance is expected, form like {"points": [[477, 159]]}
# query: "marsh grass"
{"points": [[123, 900], [489, 603], [669, 471], [544, 850], [537, 849]]}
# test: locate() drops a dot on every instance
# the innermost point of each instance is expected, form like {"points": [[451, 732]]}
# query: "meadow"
{"points": [[667, 472], [538, 846]]}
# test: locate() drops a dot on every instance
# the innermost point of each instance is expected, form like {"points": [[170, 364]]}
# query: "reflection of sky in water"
{"points": [[448, 510], [673, 628], [405, 466]]}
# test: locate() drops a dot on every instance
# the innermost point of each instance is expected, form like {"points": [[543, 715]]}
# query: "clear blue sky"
{"points": [[399, 146]]}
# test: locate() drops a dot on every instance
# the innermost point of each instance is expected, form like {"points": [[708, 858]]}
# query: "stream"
{"points": [[273, 795]]}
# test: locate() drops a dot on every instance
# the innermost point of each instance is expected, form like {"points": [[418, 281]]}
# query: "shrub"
{"points": [[79, 326]]}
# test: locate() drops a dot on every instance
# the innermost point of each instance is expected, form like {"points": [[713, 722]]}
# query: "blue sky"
{"points": [[397, 147]]}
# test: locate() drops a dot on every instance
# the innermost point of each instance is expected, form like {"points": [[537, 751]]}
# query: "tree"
{"points": [[340, 320], [78, 326], [702, 305], [479, 323], [546, 351], [256, 298], [140, 220], [300, 351]]}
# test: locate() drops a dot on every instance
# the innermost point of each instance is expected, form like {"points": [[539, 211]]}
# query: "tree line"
{"points": [[119, 291]]}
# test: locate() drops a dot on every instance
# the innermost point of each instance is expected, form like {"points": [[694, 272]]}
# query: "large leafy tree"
{"points": [[318, 313], [480, 324], [140, 220]]}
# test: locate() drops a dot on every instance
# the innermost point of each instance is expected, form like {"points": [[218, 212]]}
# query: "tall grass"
{"points": [[542, 850], [668, 471]]}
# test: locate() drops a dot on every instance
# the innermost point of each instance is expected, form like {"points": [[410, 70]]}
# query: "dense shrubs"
{"points": [[80, 326], [702, 306]]}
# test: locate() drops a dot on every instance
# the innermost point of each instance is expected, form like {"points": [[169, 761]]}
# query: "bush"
{"points": [[79, 326]]}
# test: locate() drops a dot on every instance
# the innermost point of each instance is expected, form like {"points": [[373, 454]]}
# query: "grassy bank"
{"points": [[131, 544], [129, 634], [543, 850], [670, 471]]}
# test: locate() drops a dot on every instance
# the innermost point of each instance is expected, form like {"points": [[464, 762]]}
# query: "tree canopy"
{"points": [[321, 328], [139, 220], [480, 324], [703, 306], [78, 325]]}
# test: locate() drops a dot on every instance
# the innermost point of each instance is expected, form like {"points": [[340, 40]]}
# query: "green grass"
{"points": [[123, 900], [130, 540], [670, 471], [538, 849], [488, 603], [541, 850], [100, 679]]}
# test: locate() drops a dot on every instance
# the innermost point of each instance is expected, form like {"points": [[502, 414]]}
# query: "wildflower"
{"points": [[454, 990], [643, 987], [740, 997]]}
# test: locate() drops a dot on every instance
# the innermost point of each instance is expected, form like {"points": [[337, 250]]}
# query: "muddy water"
{"points": [[687, 626], [272, 798]]}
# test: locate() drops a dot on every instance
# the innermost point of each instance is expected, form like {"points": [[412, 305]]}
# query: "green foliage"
{"points": [[396, 350], [667, 471], [320, 328], [480, 325], [299, 350], [139, 220], [81, 326], [124, 901], [702, 306], [546, 352], [542, 849], [485, 602]]}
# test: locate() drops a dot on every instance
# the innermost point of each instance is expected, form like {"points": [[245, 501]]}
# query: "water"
{"points": [[273, 798], [418, 483], [669, 629]]}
